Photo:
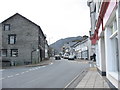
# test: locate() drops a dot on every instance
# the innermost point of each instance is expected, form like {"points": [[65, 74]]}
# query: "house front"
{"points": [[82, 49], [106, 39], [23, 41]]}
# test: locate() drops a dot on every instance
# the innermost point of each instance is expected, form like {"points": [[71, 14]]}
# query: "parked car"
{"points": [[57, 57], [71, 57], [66, 56]]}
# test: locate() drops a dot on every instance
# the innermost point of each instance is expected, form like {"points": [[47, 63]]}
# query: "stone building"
{"points": [[46, 50], [0, 44], [23, 41]]}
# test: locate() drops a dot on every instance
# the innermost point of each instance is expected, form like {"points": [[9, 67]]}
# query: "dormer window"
{"points": [[6, 27]]}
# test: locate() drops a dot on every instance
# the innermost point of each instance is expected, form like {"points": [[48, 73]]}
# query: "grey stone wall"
{"points": [[0, 44], [26, 40]]}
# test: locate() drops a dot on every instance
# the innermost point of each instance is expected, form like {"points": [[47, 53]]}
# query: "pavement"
{"points": [[42, 63], [93, 79]]}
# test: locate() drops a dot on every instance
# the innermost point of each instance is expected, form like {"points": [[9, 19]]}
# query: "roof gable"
{"points": [[25, 19], [22, 17]]}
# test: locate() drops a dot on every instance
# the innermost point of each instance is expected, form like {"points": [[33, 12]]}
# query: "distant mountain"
{"points": [[58, 44]]}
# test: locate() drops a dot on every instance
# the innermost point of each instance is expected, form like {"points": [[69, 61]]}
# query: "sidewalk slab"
{"points": [[93, 80]]}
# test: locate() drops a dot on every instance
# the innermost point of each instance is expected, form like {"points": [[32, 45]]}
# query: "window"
{"points": [[6, 27], [0, 53], [12, 39], [4, 52], [14, 52]]}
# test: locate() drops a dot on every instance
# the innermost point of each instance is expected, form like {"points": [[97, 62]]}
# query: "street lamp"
{"points": [[32, 53]]}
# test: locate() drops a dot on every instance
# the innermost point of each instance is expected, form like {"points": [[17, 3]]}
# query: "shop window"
{"points": [[114, 26]]}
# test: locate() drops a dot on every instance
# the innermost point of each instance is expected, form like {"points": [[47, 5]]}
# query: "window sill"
{"points": [[114, 34]]}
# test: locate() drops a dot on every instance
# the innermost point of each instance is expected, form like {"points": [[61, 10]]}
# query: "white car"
{"points": [[71, 57]]}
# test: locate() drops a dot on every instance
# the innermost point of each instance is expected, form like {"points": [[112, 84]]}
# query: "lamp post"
{"points": [[32, 53]]}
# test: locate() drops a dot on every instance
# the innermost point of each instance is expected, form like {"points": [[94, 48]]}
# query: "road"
{"points": [[55, 75]]}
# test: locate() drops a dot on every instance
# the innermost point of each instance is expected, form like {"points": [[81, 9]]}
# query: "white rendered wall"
{"points": [[110, 58], [97, 55], [102, 60], [118, 18]]}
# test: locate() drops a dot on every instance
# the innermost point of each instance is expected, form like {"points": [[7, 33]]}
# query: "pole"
{"points": [[31, 57]]}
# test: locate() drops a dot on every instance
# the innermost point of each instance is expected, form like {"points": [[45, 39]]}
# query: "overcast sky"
{"points": [[57, 18]]}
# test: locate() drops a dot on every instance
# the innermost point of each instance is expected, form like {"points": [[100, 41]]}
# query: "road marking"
{"points": [[26, 71], [22, 72], [2, 78], [30, 69], [36, 68], [10, 76], [51, 63], [43, 66], [90, 65], [33, 69], [17, 74], [71, 81], [1, 70]]}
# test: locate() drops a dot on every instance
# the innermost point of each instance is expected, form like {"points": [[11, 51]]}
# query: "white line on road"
{"points": [[36, 68], [2, 78], [17, 74], [43, 66], [33, 69], [10, 76], [51, 63], [26, 71], [1, 70], [30, 69], [22, 72]]}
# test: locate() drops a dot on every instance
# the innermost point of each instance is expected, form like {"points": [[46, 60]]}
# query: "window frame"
{"points": [[5, 52], [9, 40], [8, 27], [11, 52]]}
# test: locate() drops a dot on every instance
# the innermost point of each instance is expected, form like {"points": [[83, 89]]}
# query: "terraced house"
{"points": [[23, 41], [106, 37]]}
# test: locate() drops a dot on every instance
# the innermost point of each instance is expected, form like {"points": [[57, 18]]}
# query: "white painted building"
{"points": [[107, 40], [82, 49]]}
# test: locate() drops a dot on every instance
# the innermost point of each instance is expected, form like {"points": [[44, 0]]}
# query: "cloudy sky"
{"points": [[57, 18]]}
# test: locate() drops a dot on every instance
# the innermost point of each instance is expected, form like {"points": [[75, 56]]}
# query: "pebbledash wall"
{"points": [[106, 39]]}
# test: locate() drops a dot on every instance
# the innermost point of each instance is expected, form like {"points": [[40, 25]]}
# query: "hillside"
{"points": [[58, 44]]}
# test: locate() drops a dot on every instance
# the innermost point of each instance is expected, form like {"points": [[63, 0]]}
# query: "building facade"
{"points": [[82, 49], [23, 41], [106, 39], [0, 44], [46, 50]]}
